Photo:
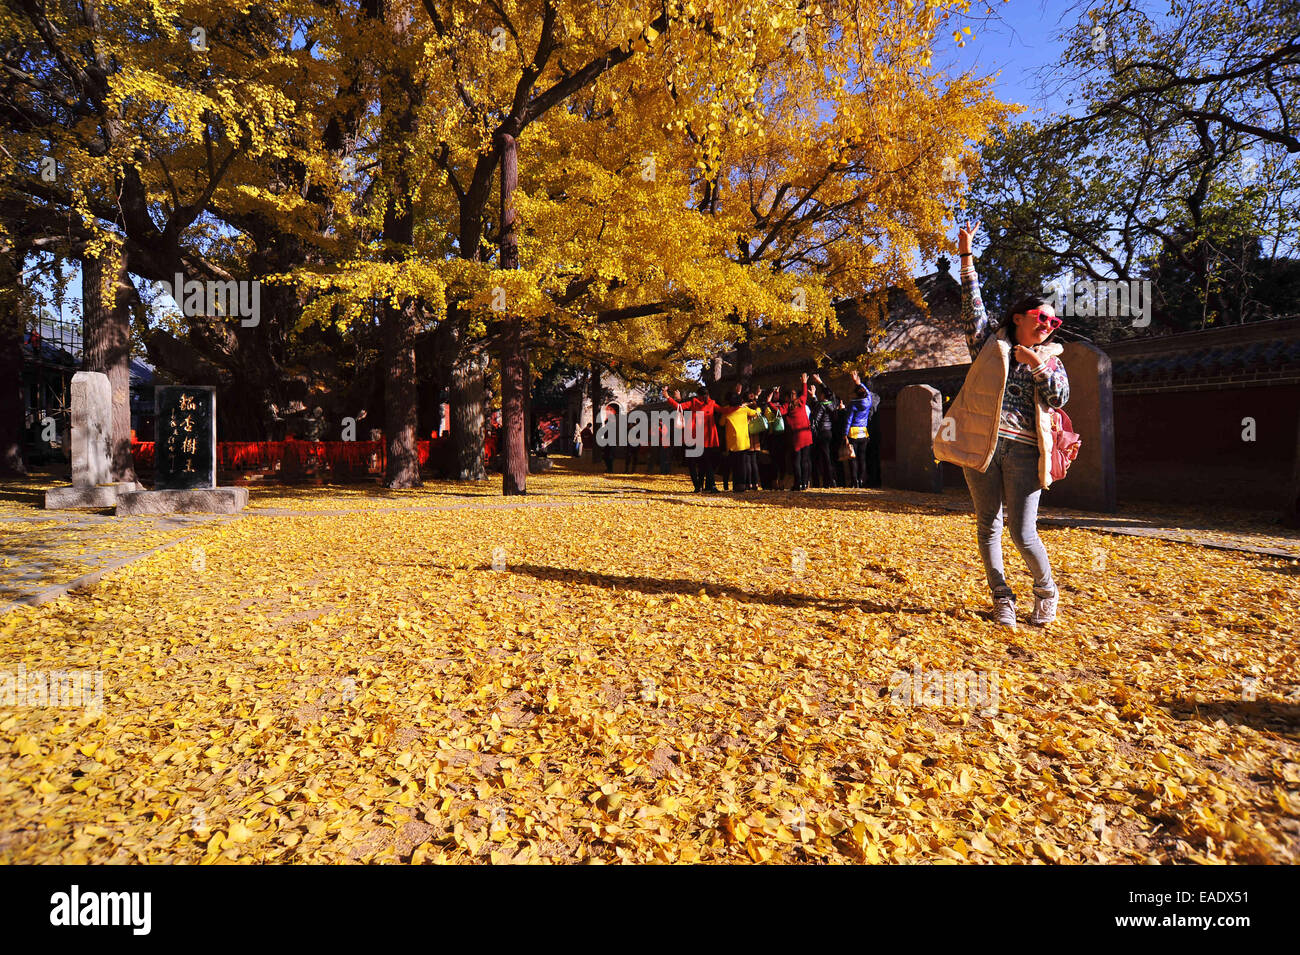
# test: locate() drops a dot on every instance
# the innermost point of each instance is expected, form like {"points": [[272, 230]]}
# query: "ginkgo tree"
{"points": [[857, 151], [487, 76], [626, 184], [665, 181], [182, 138]]}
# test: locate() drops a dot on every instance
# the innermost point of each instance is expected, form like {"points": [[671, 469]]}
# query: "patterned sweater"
{"points": [[1049, 379]]}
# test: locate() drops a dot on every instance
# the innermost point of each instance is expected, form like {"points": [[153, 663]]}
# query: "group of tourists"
{"points": [[754, 440], [757, 440]]}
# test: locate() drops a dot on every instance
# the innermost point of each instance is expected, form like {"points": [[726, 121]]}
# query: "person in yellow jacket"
{"points": [[999, 431], [735, 418]]}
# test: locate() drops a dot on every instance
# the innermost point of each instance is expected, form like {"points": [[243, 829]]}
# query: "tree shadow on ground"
{"points": [[688, 587], [1263, 715]]}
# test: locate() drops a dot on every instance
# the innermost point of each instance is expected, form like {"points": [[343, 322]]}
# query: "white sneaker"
{"points": [[1044, 610], [1004, 611]]}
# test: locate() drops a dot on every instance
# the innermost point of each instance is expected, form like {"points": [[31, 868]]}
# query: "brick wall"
{"points": [[1179, 402], [1204, 426]]}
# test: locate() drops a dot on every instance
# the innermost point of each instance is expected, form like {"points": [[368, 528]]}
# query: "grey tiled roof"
{"points": [[1213, 362]]}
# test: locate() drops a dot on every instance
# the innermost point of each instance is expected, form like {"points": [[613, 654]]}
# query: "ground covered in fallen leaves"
{"points": [[37, 554], [651, 675]]}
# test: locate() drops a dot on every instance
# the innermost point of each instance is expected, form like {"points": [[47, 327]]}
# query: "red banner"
{"points": [[340, 458]]}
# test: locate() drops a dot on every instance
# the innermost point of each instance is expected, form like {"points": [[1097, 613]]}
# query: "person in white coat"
{"points": [[999, 430]]}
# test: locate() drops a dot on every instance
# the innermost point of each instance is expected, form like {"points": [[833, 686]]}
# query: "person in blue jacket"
{"points": [[873, 442], [859, 407]]}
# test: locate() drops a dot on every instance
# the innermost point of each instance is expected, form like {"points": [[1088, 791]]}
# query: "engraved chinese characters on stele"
{"points": [[185, 448]]}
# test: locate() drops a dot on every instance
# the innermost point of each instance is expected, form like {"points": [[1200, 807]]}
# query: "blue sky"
{"points": [[1018, 45]]}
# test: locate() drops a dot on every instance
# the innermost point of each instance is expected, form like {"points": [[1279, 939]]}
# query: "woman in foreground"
{"points": [[999, 431]]}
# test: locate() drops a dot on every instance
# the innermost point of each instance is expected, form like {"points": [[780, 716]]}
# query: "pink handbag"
{"points": [[1065, 444]]}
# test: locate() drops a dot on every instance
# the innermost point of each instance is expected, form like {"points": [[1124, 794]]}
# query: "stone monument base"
{"points": [[95, 495], [203, 500]]}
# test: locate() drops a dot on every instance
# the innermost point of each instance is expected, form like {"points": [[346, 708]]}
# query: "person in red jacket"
{"points": [[701, 432], [794, 409]]}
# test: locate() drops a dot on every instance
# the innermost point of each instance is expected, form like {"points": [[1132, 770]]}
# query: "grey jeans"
{"points": [[1010, 485]]}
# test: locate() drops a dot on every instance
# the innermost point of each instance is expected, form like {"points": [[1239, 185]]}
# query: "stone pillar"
{"points": [[91, 446], [1090, 485], [917, 417], [92, 429]]}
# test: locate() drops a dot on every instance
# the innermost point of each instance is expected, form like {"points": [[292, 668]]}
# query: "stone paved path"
{"points": [[44, 554]]}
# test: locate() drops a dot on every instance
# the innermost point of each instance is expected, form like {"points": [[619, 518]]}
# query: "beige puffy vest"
{"points": [[972, 436]]}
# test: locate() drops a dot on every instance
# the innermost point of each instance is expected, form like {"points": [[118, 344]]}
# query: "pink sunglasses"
{"points": [[1051, 322]]}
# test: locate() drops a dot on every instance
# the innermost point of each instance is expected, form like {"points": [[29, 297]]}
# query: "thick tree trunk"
{"points": [[514, 422], [514, 357], [595, 393], [106, 310], [400, 101], [400, 397], [745, 359], [12, 407], [467, 414], [532, 441]]}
